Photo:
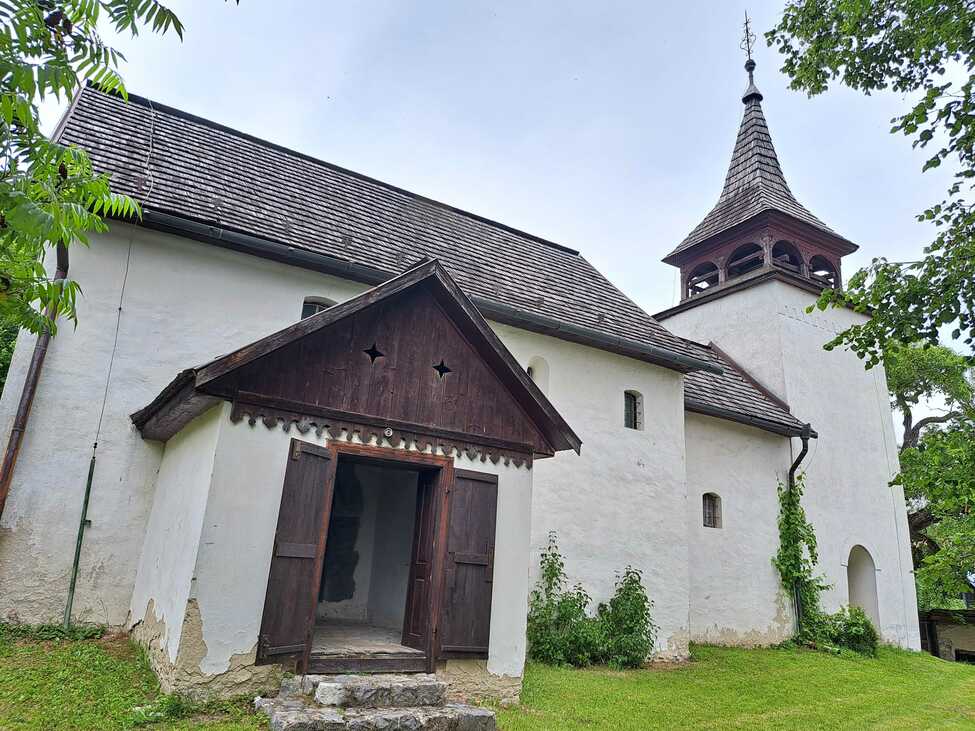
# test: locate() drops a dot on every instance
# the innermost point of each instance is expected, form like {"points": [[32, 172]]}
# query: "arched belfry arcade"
{"points": [[757, 229]]}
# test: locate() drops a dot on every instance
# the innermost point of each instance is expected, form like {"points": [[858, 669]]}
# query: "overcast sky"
{"points": [[605, 126]]}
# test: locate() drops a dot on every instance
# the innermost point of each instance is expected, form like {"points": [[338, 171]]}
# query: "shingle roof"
{"points": [[203, 171], [733, 392], [754, 182], [210, 173]]}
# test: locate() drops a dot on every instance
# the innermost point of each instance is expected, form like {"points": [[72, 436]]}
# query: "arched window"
{"points": [[703, 277], [712, 510], [822, 269], [786, 255], [314, 305], [538, 372], [632, 410], [745, 259], [861, 577]]}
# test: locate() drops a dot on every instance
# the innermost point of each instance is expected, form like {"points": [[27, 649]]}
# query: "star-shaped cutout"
{"points": [[441, 368], [373, 352]]}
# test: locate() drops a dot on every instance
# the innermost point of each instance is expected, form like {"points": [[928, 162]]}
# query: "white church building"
{"points": [[336, 421]]}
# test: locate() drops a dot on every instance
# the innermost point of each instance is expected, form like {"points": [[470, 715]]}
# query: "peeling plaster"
{"points": [[470, 681], [186, 676]]}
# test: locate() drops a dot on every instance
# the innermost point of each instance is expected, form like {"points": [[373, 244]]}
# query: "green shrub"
{"points": [[561, 631], [850, 628], [626, 624]]}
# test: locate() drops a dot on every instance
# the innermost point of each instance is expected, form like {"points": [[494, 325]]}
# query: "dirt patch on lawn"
{"points": [[118, 645]]}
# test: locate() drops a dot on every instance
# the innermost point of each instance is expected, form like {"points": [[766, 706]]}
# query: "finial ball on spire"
{"points": [[751, 92]]}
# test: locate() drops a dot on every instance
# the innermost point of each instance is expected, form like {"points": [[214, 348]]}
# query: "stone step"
{"points": [[299, 714], [381, 691]]}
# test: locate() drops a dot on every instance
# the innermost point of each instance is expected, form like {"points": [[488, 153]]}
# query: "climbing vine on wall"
{"points": [[797, 558], [796, 561]]}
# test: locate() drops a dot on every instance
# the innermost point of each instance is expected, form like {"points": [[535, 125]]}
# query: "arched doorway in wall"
{"points": [[861, 576]]}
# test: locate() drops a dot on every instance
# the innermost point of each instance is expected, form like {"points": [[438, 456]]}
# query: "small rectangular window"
{"points": [[712, 510], [632, 410]]}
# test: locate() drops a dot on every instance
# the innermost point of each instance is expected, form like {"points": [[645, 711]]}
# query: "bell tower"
{"points": [[757, 230], [749, 273]]}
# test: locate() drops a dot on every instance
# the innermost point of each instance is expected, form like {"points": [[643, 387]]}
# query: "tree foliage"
{"points": [[908, 46], [49, 194], [917, 374], [937, 458], [938, 476]]}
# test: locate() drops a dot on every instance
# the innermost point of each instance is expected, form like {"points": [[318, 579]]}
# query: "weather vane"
{"points": [[749, 39]]}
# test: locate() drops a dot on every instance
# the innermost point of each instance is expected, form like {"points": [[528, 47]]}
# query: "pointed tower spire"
{"points": [[755, 195]]}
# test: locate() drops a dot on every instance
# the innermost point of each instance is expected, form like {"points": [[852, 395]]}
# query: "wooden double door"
{"points": [[448, 603]]}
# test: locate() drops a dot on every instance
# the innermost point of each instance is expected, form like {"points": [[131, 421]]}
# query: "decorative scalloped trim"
{"points": [[341, 429]]}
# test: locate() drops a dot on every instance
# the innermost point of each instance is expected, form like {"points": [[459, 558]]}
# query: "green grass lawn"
{"points": [[748, 689], [98, 684]]}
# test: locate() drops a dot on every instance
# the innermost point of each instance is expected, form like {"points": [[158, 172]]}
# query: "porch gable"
{"points": [[410, 361]]}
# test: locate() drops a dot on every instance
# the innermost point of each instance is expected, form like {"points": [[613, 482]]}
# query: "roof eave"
{"points": [[842, 244], [755, 421]]}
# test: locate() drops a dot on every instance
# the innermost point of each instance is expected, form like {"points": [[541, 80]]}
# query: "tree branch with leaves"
{"points": [[937, 457], [49, 193], [908, 46]]}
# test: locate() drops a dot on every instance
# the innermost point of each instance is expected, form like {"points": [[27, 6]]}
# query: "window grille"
{"points": [[314, 305], [712, 510], [632, 410]]}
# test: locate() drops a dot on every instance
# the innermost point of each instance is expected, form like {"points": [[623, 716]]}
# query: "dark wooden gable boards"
{"points": [[299, 543], [403, 359]]}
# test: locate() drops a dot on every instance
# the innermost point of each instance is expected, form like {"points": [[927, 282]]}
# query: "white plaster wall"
{"points": [[185, 302], [848, 500], [384, 544], [356, 607], [393, 551], [238, 533], [172, 536], [623, 502], [735, 591]]}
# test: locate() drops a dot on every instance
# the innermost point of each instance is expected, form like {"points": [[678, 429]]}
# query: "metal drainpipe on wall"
{"points": [[804, 436], [29, 388]]}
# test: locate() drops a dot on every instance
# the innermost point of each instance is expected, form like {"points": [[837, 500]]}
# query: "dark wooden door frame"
{"points": [[402, 459]]}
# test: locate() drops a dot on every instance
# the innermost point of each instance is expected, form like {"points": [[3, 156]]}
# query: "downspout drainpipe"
{"points": [[29, 388], [804, 436]]}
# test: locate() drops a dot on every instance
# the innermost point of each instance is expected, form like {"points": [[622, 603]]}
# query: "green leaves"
{"points": [[561, 632], [939, 475], [797, 563], [49, 194], [907, 46]]}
